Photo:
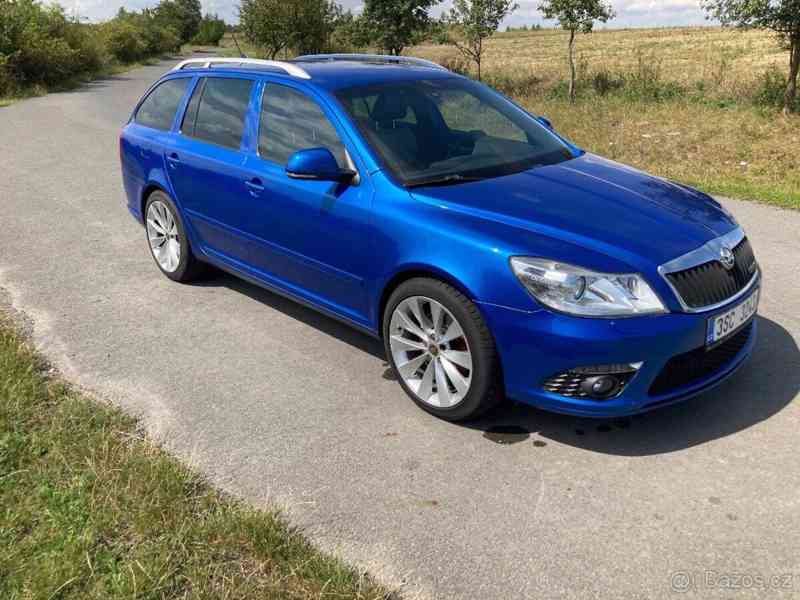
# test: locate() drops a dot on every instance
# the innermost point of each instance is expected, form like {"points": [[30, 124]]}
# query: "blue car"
{"points": [[494, 258]]}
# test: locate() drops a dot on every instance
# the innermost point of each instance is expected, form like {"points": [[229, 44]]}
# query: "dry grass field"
{"points": [[728, 60], [684, 103]]}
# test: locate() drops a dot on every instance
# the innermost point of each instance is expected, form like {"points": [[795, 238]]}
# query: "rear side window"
{"points": [[218, 110], [159, 108], [291, 121]]}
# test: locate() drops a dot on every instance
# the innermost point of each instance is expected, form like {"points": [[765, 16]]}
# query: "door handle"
{"points": [[255, 186], [174, 160]]}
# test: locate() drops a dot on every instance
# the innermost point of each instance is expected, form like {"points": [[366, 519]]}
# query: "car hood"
{"points": [[595, 203]]}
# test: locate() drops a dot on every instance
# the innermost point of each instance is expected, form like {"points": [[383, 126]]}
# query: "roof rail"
{"points": [[201, 63], [382, 58]]}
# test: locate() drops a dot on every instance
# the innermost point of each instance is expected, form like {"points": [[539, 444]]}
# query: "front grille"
{"points": [[711, 283], [686, 369]]}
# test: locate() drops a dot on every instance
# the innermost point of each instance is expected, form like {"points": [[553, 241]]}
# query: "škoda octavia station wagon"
{"points": [[493, 257]]}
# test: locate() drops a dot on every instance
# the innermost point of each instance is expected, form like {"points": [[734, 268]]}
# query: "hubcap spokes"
{"points": [[431, 352], [162, 232]]}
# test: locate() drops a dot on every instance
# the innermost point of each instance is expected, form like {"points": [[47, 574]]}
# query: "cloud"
{"points": [[630, 13], [99, 10]]}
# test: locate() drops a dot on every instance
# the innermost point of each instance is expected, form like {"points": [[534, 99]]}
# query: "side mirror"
{"points": [[546, 122], [317, 164]]}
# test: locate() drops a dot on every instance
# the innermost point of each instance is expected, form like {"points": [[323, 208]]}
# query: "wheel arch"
{"points": [[147, 191], [414, 272]]}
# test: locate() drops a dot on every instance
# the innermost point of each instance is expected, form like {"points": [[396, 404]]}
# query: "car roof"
{"points": [[339, 74], [325, 72]]}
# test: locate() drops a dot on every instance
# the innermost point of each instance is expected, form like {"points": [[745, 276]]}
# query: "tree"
{"points": [[350, 32], [472, 21], [315, 21], [210, 32], [267, 24], [278, 25], [183, 16], [576, 16], [394, 23], [781, 16]]}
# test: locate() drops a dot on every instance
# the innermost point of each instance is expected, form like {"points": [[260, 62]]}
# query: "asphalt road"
{"points": [[289, 408]]}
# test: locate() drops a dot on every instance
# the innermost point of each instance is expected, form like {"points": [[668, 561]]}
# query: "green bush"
{"points": [[43, 59], [124, 41], [40, 46], [604, 82], [646, 83], [92, 55], [515, 86], [7, 83], [772, 89], [160, 39], [212, 30]]}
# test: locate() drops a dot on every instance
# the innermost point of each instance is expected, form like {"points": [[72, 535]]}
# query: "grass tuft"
{"points": [[89, 508]]}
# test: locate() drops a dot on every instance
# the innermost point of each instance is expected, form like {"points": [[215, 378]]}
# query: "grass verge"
{"points": [[38, 90], [739, 151], [89, 508], [113, 68]]}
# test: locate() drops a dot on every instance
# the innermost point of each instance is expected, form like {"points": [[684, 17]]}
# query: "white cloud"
{"points": [[630, 13], [98, 10]]}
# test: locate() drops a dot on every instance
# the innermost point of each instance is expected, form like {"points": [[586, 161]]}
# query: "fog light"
{"points": [[598, 382], [601, 387]]}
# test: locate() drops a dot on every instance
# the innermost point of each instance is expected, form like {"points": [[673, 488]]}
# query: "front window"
{"points": [[291, 121], [449, 130]]}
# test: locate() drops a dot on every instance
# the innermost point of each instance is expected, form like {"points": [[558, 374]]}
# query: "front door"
{"points": [[313, 237]]}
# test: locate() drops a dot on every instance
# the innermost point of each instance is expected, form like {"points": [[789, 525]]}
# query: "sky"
{"points": [[631, 13]]}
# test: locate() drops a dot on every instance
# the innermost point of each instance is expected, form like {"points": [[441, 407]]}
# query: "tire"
{"points": [[413, 304], [160, 213]]}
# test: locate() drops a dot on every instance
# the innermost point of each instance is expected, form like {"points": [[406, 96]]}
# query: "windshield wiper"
{"points": [[446, 180]]}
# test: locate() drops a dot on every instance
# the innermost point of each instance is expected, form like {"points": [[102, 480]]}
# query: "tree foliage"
{"points": [[304, 26], [392, 25], [472, 21], [576, 16], [40, 45], [781, 16], [350, 33], [183, 16], [210, 32]]}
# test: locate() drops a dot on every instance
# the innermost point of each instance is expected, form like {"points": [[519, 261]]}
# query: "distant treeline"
{"points": [[40, 45]]}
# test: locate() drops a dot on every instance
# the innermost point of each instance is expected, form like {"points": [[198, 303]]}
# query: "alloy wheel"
{"points": [[162, 232], [430, 351]]}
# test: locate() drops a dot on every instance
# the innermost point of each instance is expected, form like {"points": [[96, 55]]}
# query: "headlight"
{"points": [[578, 291]]}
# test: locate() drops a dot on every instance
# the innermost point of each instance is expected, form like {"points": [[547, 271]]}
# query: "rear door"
{"points": [[206, 164], [148, 134], [313, 236]]}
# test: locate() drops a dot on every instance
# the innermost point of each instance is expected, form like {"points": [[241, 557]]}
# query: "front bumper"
{"points": [[535, 346]]}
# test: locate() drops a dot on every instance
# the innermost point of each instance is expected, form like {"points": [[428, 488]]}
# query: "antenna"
{"points": [[235, 41]]}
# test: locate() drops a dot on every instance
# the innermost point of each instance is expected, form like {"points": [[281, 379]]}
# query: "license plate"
{"points": [[723, 325]]}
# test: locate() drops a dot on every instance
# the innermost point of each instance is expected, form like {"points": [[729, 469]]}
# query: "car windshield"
{"points": [[449, 131]]}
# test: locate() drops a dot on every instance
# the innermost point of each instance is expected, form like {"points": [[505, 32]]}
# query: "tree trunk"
{"points": [[794, 68], [478, 56], [572, 74]]}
